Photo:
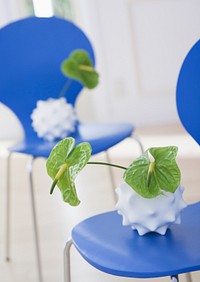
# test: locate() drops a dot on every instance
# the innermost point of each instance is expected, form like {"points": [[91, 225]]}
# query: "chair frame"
{"points": [[33, 208]]}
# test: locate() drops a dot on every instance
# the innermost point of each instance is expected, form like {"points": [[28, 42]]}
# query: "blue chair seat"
{"points": [[118, 250], [101, 136]]}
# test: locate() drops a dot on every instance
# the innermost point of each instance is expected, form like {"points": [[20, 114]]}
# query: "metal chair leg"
{"points": [[7, 239], [38, 256], [108, 159], [137, 139], [67, 269], [174, 278]]}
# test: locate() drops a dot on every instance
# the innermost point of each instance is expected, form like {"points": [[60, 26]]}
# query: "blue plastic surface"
{"points": [[188, 93], [118, 250], [31, 51], [100, 136]]}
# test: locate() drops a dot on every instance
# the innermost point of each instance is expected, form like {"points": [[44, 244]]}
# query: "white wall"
{"points": [[140, 46], [10, 127], [11, 10]]}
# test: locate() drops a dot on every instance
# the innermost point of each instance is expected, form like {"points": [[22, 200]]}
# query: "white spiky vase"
{"points": [[53, 119], [149, 215]]}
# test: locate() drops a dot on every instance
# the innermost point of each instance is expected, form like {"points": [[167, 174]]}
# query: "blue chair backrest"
{"points": [[188, 93], [31, 52]]}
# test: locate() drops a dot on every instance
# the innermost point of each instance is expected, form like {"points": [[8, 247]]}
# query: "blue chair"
{"points": [[188, 93], [117, 250], [31, 51]]}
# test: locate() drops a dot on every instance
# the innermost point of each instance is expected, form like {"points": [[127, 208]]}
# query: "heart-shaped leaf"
{"points": [[150, 179], [63, 165], [79, 67]]}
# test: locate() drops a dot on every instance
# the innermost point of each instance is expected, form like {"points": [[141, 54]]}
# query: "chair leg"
{"points": [[110, 170], [67, 269], [108, 159], [38, 256], [174, 278], [137, 139], [8, 209]]}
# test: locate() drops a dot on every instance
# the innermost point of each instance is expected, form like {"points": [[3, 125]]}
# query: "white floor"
{"points": [[56, 218]]}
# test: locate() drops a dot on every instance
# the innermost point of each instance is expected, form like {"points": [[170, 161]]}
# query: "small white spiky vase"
{"points": [[149, 215], [53, 119]]}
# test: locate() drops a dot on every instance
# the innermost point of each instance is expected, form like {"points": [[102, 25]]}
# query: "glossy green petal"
{"points": [[79, 67], [163, 176], [75, 159]]}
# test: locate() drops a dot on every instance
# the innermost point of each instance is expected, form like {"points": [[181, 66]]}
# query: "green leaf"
{"points": [[58, 156], [150, 179], [79, 67], [75, 160]]}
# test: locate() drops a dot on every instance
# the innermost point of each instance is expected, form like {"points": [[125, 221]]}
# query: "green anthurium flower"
{"points": [[79, 67], [151, 178], [63, 165]]}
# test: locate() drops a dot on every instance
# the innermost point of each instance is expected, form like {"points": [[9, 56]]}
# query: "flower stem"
{"points": [[108, 164], [65, 88], [64, 167]]}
